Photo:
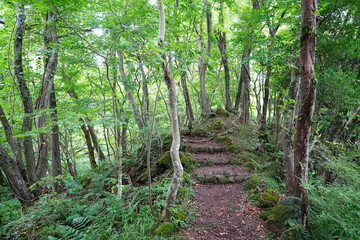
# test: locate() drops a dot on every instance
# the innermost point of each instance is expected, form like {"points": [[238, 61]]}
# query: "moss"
{"points": [[269, 198], [185, 158], [180, 216], [234, 149], [165, 228], [225, 140], [252, 183], [286, 209], [222, 112], [199, 131], [235, 162], [222, 178], [216, 124]]}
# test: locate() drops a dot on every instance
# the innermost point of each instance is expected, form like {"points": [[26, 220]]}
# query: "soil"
{"points": [[222, 210]]}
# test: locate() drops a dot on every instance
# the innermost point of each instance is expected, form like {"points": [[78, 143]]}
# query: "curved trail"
{"points": [[223, 211]]}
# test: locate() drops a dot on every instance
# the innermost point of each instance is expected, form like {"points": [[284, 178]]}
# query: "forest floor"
{"points": [[222, 208]]}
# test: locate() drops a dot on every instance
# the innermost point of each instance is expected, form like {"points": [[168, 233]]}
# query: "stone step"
{"points": [[221, 174], [214, 158]]}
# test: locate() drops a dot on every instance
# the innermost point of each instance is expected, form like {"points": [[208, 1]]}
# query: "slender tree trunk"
{"points": [[129, 92], [277, 107], [25, 94], [13, 145], [308, 96], [238, 92], [55, 143], [266, 97], [175, 126], [221, 40], [90, 147], [89, 130], [189, 110], [287, 136], [202, 64]]}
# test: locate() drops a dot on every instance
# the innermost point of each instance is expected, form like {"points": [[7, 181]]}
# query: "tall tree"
{"points": [[221, 42], [307, 98], [25, 93], [175, 126]]}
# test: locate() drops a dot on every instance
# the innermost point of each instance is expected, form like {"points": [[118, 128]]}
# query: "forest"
{"points": [[180, 119]]}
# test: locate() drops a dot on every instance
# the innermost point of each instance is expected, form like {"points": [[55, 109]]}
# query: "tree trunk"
{"points": [[221, 40], [13, 175], [13, 145], [189, 110], [202, 64], [277, 107], [129, 92], [245, 91], [90, 147], [175, 127], [287, 136], [25, 94], [308, 96], [266, 97], [90, 130]]}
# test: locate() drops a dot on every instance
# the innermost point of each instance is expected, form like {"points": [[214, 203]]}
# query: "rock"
{"points": [[287, 209], [165, 228], [222, 112]]}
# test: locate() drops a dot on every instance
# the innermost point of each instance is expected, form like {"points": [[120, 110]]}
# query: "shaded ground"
{"points": [[223, 212]]}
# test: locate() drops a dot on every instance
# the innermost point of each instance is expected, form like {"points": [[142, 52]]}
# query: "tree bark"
{"points": [[308, 96], [188, 106], [245, 91], [175, 126], [25, 94], [202, 63], [13, 175], [221, 41], [13, 145], [287, 136]]}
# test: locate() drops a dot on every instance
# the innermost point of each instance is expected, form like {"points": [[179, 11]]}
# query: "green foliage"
{"points": [[336, 204], [286, 211], [296, 232], [269, 198], [92, 212]]}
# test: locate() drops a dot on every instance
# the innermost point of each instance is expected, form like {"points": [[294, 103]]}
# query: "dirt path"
{"points": [[223, 212]]}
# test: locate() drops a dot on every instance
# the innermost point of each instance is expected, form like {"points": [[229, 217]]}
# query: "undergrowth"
{"points": [[88, 210]]}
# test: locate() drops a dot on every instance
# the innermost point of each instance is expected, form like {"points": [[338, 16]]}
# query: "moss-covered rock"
{"points": [[216, 124], [252, 183], [180, 216], [296, 232], [185, 158], [269, 198], [224, 139], [165, 228], [286, 209], [222, 112]]}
